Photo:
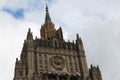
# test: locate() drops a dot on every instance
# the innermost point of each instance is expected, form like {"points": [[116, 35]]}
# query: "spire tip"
{"points": [[46, 7]]}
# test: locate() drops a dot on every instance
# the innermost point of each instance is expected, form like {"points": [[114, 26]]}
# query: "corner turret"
{"points": [[29, 34], [95, 73], [79, 44], [82, 58], [29, 38]]}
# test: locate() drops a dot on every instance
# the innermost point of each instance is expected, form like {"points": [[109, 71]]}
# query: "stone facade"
{"points": [[52, 58]]}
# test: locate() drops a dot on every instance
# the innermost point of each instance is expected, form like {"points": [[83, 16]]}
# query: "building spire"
{"points": [[47, 18], [46, 8]]}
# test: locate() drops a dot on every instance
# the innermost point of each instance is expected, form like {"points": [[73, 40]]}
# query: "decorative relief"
{"points": [[58, 62]]}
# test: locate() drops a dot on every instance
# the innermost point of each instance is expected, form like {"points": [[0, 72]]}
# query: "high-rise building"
{"points": [[52, 58]]}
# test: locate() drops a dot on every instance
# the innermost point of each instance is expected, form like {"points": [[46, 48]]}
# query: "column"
{"points": [[68, 77], [47, 77], [57, 77]]}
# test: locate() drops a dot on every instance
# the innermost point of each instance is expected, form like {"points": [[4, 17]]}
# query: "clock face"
{"points": [[58, 62]]}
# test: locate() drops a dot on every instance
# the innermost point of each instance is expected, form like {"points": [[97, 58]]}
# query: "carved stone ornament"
{"points": [[58, 62]]}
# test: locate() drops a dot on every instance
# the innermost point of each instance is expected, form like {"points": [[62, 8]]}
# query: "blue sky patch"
{"points": [[49, 0], [18, 14]]}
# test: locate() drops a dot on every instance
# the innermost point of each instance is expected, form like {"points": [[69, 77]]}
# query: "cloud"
{"points": [[2, 3], [24, 4], [13, 33]]}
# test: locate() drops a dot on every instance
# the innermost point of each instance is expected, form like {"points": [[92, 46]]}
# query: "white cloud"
{"points": [[23, 4], [101, 44], [2, 3], [12, 33], [96, 21]]}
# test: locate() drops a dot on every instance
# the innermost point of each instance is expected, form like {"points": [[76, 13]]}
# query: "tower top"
{"points": [[47, 18], [46, 8]]}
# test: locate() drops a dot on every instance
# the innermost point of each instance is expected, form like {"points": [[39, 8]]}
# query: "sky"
{"points": [[96, 21]]}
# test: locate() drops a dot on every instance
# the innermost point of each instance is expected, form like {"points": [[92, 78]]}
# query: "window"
{"points": [[20, 73]]}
